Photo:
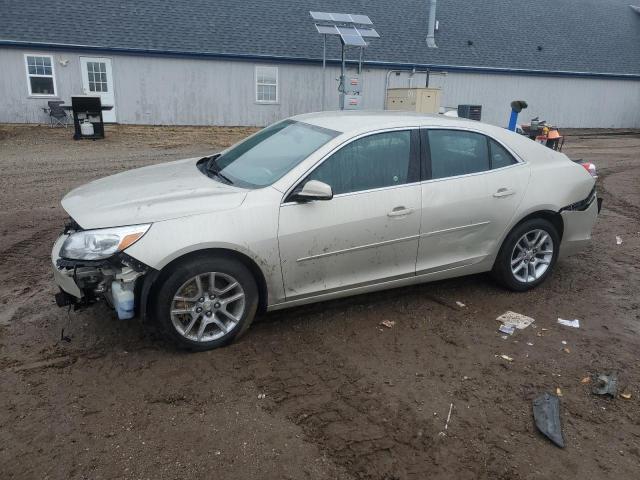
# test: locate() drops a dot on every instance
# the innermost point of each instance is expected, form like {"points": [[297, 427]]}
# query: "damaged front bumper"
{"points": [[118, 280]]}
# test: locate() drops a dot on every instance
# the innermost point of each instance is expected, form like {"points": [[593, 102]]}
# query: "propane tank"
{"points": [[86, 128]]}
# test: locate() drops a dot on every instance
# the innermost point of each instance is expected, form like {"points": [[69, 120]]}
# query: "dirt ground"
{"points": [[344, 398]]}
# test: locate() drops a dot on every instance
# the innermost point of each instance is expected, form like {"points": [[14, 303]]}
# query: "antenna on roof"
{"points": [[352, 29]]}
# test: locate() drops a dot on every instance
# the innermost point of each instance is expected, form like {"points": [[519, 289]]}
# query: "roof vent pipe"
{"points": [[431, 35]]}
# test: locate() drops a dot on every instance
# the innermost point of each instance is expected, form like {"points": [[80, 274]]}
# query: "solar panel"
{"points": [[361, 19], [341, 18], [351, 36], [368, 32], [327, 29]]}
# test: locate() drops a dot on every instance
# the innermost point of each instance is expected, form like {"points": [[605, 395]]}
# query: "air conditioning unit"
{"points": [[472, 112], [424, 100]]}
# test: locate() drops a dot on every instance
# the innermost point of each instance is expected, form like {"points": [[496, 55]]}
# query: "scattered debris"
{"points": [[505, 357], [508, 329], [530, 344], [446, 425], [558, 391], [618, 240], [460, 304], [388, 323], [626, 395], [514, 320], [564, 342], [261, 396], [586, 380], [566, 350], [606, 384], [569, 323], [546, 413]]}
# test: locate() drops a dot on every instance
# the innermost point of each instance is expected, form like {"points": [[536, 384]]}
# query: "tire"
{"points": [[535, 262], [200, 318]]}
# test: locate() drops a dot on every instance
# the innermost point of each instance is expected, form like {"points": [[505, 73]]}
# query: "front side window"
{"points": [[40, 75], [266, 84], [263, 158], [457, 152], [375, 161]]}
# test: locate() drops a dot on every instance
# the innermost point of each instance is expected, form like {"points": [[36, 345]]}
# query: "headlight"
{"points": [[102, 243]]}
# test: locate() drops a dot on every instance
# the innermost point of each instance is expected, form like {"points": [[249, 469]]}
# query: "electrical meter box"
{"points": [[351, 102], [423, 100], [352, 85]]}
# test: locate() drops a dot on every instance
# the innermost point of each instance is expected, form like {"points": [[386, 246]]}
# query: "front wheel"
{"points": [[528, 255], [205, 303]]}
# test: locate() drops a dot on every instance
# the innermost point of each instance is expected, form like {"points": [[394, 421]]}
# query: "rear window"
{"points": [[457, 152]]}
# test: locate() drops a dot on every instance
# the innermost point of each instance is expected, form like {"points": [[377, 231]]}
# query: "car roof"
{"points": [[357, 121], [352, 123]]}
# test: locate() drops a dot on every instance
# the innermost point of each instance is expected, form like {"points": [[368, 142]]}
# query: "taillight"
{"points": [[591, 168]]}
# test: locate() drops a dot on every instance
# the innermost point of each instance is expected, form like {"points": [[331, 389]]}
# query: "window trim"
{"points": [[425, 154], [277, 85], [52, 76], [414, 162]]}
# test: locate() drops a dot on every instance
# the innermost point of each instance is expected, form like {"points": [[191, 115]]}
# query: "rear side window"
{"points": [[456, 152], [499, 155], [375, 161]]}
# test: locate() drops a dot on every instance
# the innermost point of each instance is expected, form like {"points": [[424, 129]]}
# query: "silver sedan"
{"points": [[316, 207]]}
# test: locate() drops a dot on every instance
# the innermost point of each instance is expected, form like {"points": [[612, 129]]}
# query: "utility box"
{"points": [[352, 84], [351, 102], [472, 112], [424, 100]]}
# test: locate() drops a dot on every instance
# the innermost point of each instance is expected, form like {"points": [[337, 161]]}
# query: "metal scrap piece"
{"points": [[546, 413], [606, 384]]}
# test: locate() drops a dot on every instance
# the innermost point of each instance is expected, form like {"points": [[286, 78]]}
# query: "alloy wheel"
{"points": [[532, 255], [207, 306]]}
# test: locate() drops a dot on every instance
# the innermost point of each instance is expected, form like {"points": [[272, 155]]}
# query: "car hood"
{"points": [[150, 194]]}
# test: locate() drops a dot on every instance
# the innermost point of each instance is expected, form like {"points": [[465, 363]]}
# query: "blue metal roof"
{"points": [[583, 37]]}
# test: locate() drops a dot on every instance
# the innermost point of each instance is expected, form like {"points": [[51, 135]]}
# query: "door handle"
{"points": [[400, 212], [504, 192]]}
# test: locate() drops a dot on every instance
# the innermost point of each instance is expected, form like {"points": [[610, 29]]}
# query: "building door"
{"points": [[97, 79]]}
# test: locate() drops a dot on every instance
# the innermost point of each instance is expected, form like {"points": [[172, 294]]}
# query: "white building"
{"points": [[223, 62]]}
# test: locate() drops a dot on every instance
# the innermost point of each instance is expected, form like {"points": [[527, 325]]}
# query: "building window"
{"points": [[267, 84], [40, 75], [97, 75]]}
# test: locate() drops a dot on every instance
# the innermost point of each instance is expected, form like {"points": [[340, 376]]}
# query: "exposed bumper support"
{"points": [[85, 282], [577, 228]]}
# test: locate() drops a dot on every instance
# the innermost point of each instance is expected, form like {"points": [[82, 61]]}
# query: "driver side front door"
{"points": [[368, 233]]}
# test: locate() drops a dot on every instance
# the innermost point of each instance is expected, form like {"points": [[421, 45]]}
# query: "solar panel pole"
{"points": [[341, 88], [324, 68]]}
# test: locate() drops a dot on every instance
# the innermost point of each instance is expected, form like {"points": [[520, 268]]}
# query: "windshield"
{"points": [[265, 157]]}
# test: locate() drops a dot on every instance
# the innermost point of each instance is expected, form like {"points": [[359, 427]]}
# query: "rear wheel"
{"points": [[528, 255], [205, 303]]}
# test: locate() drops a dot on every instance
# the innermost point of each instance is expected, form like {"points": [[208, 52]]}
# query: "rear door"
{"points": [[507, 182], [369, 231], [454, 199], [472, 188]]}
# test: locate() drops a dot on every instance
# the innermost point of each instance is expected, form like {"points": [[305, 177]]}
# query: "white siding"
{"points": [[188, 91]]}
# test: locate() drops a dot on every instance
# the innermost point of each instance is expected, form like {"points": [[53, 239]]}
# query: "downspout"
{"points": [[431, 33]]}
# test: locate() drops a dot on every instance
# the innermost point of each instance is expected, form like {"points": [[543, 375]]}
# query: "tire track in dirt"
{"points": [[613, 202], [360, 427]]}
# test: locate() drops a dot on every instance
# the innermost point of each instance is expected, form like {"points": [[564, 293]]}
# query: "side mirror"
{"points": [[314, 190]]}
